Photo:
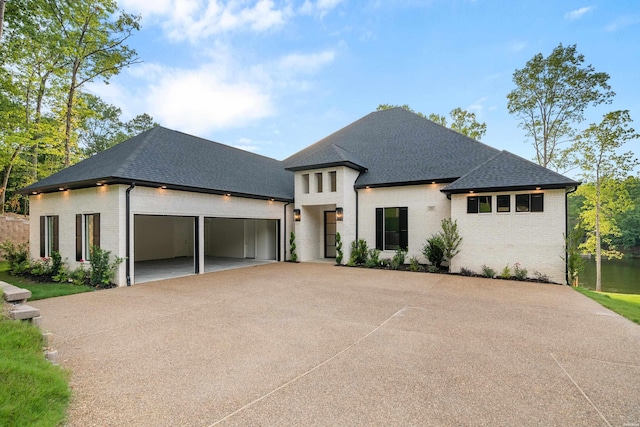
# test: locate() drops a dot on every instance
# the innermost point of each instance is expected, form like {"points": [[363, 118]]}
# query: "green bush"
{"points": [[467, 272], [373, 258], [433, 250], [488, 272], [292, 247], [432, 269], [506, 272], [16, 255], [359, 252], [518, 272], [414, 264], [339, 252], [451, 239], [398, 259], [103, 270]]}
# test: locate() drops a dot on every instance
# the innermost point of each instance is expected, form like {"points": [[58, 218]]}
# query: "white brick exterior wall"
{"points": [[533, 239], [427, 207], [109, 201]]}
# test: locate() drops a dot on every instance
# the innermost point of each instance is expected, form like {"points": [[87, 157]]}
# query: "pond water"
{"points": [[618, 275]]}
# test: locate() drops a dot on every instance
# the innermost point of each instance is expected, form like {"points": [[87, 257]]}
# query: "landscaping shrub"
{"points": [[451, 239], [466, 272], [339, 253], [292, 247], [506, 272], [518, 272], [433, 269], [398, 259], [359, 252], [488, 272], [103, 270], [433, 250], [540, 277], [373, 259], [414, 264], [16, 255]]}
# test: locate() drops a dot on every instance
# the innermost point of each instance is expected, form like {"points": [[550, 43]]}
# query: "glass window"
{"points": [[391, 228], [480, 204], [305, 183], [333, 181], [319, 181], [503, 203], [522, 203], [88, 236], [537, 202], [51, 237]]}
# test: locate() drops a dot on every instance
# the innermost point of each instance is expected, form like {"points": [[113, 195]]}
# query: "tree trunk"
{"points": [[598, 243], [67, 125], [2, 2], [5, 178]]}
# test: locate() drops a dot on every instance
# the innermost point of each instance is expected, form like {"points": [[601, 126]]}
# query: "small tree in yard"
{"points": [[292, 247], [339, 253], [451, 239], [597, 153]]}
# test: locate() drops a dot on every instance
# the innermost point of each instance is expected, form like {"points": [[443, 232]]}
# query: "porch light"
{"points": [[537, 188], [228, 194], [296, 214], [34, 192], [98, 183], [61, 188], [339, 214], [164, 187]]}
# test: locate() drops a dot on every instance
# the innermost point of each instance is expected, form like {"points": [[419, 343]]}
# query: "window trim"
{"points": [[333, 181], [319, 183], [530, 197], [49, 235], [503, 197], [305, 183], [83, 249], [474, 204]]}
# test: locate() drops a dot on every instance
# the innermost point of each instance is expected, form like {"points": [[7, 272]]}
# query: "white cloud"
{"points": [[578, 13], [197, 19], [246, 144], [319, 7], [623, 22], [305, 63], [517, 46]]}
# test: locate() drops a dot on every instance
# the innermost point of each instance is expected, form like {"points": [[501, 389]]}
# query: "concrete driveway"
{"points": [[313, 344]]}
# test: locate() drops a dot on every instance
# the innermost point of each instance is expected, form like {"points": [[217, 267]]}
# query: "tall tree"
{"points": [[550, 97], [462, 121], [597, 150], [93, 33]]}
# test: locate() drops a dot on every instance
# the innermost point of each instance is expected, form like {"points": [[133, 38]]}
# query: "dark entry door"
{"points": [[330, 234]]}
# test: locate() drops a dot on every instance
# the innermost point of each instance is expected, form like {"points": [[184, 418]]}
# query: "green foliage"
{"points": [[551, 95], [466, 272], [462, 121], [32, 390], [451, 239], [103, 269], [506, 272], [292, 247], [488, 272], [373, 258], [575, 262], [17, 255], [433, 269], [540, 277], [359, 252], [339, 251], [398, 259], [414, 264], [41, 290], [520, 273], [433, 250]]}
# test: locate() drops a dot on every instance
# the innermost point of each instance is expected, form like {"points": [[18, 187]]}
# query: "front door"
{"points": [[330, 234]]}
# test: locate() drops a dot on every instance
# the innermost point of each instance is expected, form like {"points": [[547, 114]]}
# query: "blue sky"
{"points": [[274, 76]]}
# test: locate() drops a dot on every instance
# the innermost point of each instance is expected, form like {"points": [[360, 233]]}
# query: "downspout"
{"points": [[566, 233], [128, 231], [284, 241]]}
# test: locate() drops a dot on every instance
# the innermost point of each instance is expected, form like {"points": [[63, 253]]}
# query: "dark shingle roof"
{"points": [[164, 156], [506, 170], [397, 146], [327, 156]]}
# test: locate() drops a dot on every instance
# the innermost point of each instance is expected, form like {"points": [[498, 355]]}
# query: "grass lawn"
{"points": [[32, 390], [626, 305], [40, 290]]}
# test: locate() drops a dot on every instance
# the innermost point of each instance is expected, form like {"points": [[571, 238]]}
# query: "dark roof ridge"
{"points": [[480, 165], [132, 156], [224, 145]]}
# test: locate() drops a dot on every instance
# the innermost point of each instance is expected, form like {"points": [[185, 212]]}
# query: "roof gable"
{"points": [[397, 146], [164, 156], [326, 156], [508, 171]]}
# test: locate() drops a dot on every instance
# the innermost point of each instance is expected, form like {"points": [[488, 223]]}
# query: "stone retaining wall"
{"points": [[14, 228]]}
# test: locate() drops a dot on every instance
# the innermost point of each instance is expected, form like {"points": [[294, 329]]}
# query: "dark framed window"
{"points": [[333, 181], [49, 235], [319, 181], [503, 203], [479, 204], [530, 202], [305, 183], [87, 235], [392, 228]]}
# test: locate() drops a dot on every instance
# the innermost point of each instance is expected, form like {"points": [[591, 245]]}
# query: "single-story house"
{"points": [[389, 178]]}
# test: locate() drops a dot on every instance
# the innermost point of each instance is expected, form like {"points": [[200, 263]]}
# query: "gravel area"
{"points": [[314, 344]]}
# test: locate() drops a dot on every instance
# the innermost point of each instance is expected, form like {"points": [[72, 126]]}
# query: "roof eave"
{"points": [[528, 187], [405, 183], [350, 165]]}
